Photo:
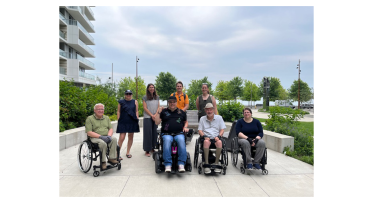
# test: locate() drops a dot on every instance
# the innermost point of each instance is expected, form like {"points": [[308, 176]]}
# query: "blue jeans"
{"points": [[181, 149]]}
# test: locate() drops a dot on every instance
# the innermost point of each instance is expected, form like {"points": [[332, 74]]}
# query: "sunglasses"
{"points": [[128, 93]]}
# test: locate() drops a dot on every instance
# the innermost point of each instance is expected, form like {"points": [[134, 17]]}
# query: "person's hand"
{"points": [[106, 139], [207, 138], [250, 141], [258, 137], [217, 139], [186, 130], [153, 117]]}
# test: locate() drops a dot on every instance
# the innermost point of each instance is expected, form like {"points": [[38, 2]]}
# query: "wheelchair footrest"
{"points": [[212, 166]]}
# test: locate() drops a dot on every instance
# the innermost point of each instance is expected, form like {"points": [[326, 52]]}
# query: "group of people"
{"points": [[174, 125]]}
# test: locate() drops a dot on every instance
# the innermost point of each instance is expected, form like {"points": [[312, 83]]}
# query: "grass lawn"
{"points": [[307, 125]]}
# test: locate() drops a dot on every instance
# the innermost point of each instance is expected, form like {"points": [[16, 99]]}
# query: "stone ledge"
{"points": [[75, 136]]}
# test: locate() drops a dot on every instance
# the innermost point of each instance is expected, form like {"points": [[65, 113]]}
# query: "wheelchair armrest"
{"points": [[189, 133]]}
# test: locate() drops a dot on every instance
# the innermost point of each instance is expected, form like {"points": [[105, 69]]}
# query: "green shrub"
{"points": [[283, 109], [113, 117], [192, 102], [283, 121], [230, 110]]}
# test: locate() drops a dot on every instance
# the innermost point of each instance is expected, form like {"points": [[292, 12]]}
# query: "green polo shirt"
{"points": [[99, 126]]}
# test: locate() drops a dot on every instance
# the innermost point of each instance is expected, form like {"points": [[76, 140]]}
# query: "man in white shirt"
{"points": [[211, 128]]}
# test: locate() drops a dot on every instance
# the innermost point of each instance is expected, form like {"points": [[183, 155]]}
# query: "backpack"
{"points": [[175, 94]]}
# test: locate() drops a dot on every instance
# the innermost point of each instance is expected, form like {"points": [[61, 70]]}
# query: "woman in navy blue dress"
{"points": [[128, 120]]}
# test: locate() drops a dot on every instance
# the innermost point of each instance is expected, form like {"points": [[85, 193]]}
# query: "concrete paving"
{"points": [[287, 177]]}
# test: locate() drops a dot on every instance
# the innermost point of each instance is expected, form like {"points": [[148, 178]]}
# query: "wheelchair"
{"points": [[157, 155], [89, 152], [235, 149], [223, 157]]}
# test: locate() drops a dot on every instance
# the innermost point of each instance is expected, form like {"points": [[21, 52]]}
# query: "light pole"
{"points": [[137, 60], [112, 76], [251, 99], [298, 67]]}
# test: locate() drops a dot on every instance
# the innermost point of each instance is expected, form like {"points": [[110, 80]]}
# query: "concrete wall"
{"points": [[75, 136]]}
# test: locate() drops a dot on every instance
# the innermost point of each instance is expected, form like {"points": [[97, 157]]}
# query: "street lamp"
{"points": [[298, 67], [137, 60]]}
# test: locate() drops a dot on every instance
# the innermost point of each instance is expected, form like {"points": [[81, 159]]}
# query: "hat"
{"points": [[128, 91], [209, 105], [171, 98]]}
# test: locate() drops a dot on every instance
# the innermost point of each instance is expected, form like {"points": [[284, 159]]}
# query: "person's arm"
{"points": [[185, 128], [137, 109], [238, 130], [260, 128], [197, 102], [158, 120], [110, 133], [214, 104], [118, 111], [186, 104]]}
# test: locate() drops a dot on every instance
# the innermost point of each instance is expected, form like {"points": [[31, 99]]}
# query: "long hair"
{"points": [[149, 95]]}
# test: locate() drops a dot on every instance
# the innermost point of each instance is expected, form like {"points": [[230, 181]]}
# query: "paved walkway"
{"points": [[287, 177]]}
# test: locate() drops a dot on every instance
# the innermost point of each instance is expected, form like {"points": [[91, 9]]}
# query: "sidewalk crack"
{"points": [[124, 186]]}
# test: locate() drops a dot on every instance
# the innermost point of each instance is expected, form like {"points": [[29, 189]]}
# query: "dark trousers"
{"points": [[150, 134]]}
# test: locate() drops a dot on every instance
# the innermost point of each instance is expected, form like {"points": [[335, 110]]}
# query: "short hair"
{"points": [[99, 104], [180, 83], [247, 108]]}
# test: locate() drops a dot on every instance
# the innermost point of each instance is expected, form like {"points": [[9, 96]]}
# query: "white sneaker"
{"points": [[207, 170], [217, 170], [168, 169], [181, 169]]}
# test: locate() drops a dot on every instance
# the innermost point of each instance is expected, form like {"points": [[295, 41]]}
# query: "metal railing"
{"points": [[62, 17], [85, 46], [62, 34], [64, 53], [63, 71], [84, 60], [74, 22], [86, 75]]}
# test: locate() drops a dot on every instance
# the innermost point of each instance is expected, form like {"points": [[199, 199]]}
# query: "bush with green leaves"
{"points": [[192, 102], [230, 110], [283, 109], [283, 121]]}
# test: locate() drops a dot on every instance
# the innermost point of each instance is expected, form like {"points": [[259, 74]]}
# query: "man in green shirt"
{"points": [[99, 129]]}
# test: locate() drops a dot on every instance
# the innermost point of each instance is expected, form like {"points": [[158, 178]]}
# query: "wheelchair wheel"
{"points": [[265, 172], [225, 157], [234, 152], [196, 153], [96, 173], [242, 170], [157, 162], [224, 170], [119, 166], [85, 157]]}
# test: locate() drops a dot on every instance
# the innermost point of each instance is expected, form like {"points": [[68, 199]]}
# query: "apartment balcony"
{"points": [[80, 46], [83, 62], [62, 20], [63, 37], [78, 14], [87, 76], [64, 54], [63, 71], [83, 34], [89, 13]]}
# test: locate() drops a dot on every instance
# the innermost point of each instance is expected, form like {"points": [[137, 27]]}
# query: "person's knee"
{"points": [[261, 144], [218, 144], [114, 139]]}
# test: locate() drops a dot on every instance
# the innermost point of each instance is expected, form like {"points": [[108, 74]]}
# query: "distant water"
{"points": [[247, 103]]}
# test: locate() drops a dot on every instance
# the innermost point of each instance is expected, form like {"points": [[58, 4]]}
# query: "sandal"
{"points": [[128, 155], [147, 154], [120, 158]]}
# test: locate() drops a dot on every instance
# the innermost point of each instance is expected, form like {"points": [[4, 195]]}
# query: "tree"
{"points": [[250, 91], [195, 89], [165, 84], [305, 91], [221, 90], [235, 88], [130, 84], [276, 91]]}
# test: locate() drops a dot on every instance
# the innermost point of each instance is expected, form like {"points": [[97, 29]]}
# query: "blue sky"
{"points": [[193, 42]]}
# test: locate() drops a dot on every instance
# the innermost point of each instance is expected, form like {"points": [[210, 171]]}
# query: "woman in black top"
{"points": [[203, 99], [128, 120], [250, 134]]}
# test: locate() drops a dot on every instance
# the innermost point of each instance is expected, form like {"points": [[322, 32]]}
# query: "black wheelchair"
{"points": [[89, 152], [235, 149], [223, 157], [158, 155]]}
